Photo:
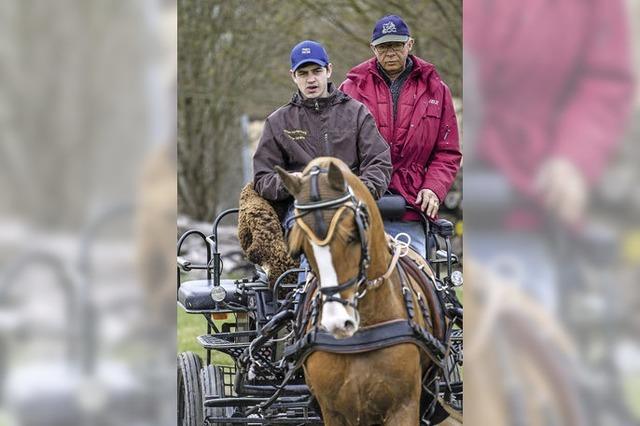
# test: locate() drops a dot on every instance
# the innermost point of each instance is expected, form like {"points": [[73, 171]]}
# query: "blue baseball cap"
{"points": [[389, 29], [308, 51]]}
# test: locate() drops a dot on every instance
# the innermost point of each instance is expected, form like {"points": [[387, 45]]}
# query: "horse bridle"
{"points": [[346, 200]]}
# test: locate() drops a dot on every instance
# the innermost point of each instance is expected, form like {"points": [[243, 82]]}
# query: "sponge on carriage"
{"points": [[261, 235]]}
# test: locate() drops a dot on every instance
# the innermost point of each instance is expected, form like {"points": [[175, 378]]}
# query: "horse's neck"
{"points": [[379, 253], [384, 303]]}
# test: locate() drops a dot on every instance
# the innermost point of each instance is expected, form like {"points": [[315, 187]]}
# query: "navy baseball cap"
{"points": [[389, 29], [308, 51]]}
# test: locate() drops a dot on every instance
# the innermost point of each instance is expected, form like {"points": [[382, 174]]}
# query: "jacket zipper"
{"points": [[446, 133], [393, 118], [390, 101], [326, 136]]}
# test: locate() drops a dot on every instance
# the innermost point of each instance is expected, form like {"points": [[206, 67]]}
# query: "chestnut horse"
{"points": [[340, 230]]}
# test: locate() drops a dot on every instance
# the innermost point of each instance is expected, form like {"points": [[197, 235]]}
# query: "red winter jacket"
{"points": [[425, 152], [554, 80]]}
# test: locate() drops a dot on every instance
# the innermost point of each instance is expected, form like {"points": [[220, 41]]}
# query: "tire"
{"points": [[189, 390], [212, 382]]}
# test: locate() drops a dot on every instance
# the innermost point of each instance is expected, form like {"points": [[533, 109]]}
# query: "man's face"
{"points": [[312, 80], [393, 55]]}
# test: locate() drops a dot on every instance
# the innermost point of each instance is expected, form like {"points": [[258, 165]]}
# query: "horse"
{"points": [[520, 363], [361, 286]]}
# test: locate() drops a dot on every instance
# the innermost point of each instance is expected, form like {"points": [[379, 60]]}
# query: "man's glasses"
{"points": [[388, 47]]}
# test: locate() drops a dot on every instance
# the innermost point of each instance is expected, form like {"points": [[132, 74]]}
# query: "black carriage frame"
{"points": [[261, 387]]}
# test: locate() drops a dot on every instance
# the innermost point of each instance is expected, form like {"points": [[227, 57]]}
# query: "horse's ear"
{"points": [[290, 181], [336, 179]]}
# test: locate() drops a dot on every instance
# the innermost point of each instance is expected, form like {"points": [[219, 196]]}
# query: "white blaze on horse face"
{"points": [[335, 318]]}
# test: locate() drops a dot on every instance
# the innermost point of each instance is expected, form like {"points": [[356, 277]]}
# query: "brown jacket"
{"points": [[304, 129]]}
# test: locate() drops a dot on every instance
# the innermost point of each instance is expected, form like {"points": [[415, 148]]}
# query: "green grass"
{"points": [[191, 326], [632, 393]]}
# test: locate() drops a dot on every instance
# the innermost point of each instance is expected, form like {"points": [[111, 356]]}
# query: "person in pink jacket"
{"points": [[554, 93], [414, 112]]}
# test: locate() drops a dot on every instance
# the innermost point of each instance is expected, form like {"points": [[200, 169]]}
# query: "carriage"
{"points": [[262, 328]]}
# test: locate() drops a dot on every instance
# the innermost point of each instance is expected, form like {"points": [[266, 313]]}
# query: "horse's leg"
{"points": [[331, 417], [405, 415], [334, 420], [450, 421]]}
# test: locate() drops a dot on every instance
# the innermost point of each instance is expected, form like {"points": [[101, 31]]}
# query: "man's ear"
{"points": [[336, 180], [290, 181], [329, 69], [292, 73]]}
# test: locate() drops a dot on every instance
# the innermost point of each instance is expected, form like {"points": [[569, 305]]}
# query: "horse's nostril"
{"points": [[349, 325]]}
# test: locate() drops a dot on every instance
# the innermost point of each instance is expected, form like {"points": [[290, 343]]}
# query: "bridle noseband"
{"points": [[347, 200]]}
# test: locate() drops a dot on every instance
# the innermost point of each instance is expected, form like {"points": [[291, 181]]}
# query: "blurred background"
{"points": [[551, 203], [87, 214]]}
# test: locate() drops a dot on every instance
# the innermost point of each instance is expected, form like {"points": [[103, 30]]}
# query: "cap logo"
{"points": [[306, 50], [388, 27]]}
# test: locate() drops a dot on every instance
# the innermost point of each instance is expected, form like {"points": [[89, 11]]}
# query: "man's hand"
{"points": [[429, 202], [563, 189]]}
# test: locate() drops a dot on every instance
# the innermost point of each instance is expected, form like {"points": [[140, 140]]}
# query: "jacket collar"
{"points": [[407, 70], [335, 97], [421, 68]]}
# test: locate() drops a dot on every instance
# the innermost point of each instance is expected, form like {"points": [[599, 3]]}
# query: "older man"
{"points": [[320, 120], [414, 112]]}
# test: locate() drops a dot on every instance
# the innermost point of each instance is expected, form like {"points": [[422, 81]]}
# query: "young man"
{"points": [[414, 112], [320, 120]]}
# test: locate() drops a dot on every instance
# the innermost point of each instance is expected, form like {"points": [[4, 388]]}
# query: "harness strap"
{"points": [[437, 351], [322, 204], [433, 297], [398, 252], [332, 228], [330, 291], [321, 227], [368, 339], [339, 299]]}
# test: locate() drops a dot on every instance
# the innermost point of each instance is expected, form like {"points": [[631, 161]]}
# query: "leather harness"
{"points": [[311, 338]]}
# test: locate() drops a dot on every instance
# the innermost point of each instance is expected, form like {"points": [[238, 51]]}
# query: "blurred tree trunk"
{"points": [[222, 46], [71, 102]]}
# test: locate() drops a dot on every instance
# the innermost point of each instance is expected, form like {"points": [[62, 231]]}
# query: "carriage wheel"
{"points": [[561, 376], [189, 390], [212, 381], [454, 371], [450, 405]]}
